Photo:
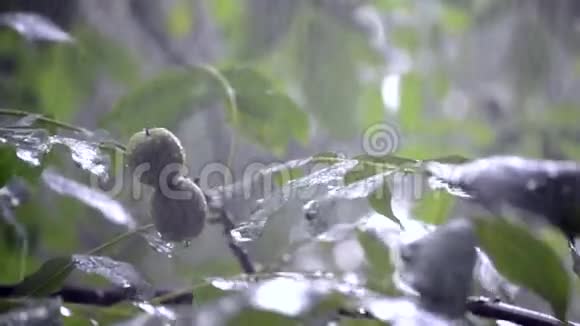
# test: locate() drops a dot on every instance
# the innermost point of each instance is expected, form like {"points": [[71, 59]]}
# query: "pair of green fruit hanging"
{"points": [[178, 206]]}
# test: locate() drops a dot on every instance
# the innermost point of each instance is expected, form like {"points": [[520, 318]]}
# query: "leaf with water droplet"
{"points": [[157, 243], [52, 274], [30, 144], [516, 254], [369, 166], [86, 154], [119, 273], [326, 177], [109, 208], [35, 27]]}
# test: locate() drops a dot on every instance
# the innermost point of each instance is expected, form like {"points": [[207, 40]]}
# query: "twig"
{"points": [[478, 306], [239, 252], [224, 218], [59, 124], [493, 309], [101, 297]]}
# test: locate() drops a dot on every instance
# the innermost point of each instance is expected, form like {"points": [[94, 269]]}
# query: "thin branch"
{"points": [[240, 253], [493, 309], [224, 218], [478, 306], [102, 297], [59, 124]]}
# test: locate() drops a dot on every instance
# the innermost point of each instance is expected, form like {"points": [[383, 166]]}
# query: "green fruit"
{"points": [[179, 210], [151, 151]]}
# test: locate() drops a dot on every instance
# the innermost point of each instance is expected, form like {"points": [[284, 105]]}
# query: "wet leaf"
{"points": [[86, 154], [119, 273], [369, 166], [48, 279], [515, 185], [88, 149], [380, 201], [264, 114], [109, 208], [516, 254], [35, 27], [31, 144], [52, 274], [439, 266], [252, 228]]}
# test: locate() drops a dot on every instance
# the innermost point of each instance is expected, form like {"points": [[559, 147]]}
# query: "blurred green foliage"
{"points": [[294, 72]]}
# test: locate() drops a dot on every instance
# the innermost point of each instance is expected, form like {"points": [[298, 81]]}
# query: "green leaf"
{"points": [[11, 165], [380, 201], [379, 264], [47, 279], [525, 260], [411, 101], [52, 273], [452, 159], [434, 207], [370, 166], [161, 101], [263, 114]]}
